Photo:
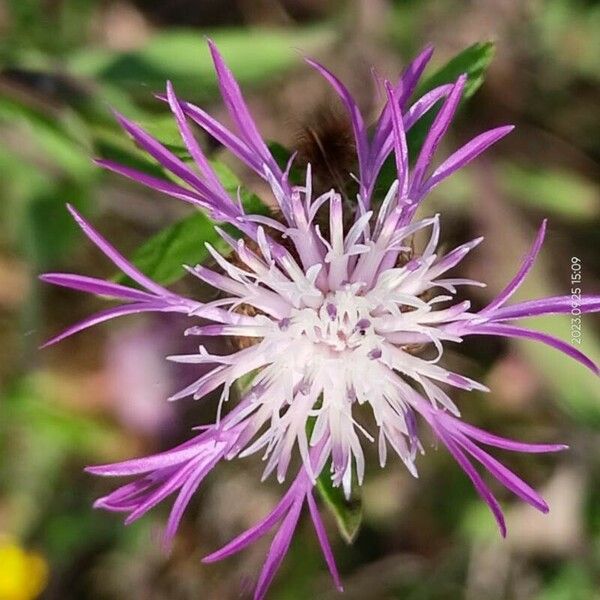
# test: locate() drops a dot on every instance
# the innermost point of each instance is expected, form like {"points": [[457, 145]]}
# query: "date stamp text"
{"points": [[576, 283]]}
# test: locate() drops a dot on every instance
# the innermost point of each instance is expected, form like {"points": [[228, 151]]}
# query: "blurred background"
{"points": [[100, 396]]}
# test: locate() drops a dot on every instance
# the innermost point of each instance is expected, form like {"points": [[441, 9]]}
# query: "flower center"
{"points": [[342, 323]]}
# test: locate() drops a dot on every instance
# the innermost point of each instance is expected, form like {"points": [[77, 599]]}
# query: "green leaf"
{"points": [[163, 256], [183, 243], [473, 61], [243, 383], [477, 523], [348, 513], [182, 56]]}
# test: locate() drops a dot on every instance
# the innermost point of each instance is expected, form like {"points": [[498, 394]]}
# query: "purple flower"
{"points": [[338, 316]]}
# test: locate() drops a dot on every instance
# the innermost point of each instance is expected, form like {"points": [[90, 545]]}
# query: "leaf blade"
{"points": [[473, 61], [348, 514]]}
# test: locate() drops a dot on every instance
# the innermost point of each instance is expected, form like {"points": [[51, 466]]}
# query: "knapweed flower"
{"points": [[336, 310]]}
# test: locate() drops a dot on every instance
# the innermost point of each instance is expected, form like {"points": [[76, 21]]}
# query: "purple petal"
{"points": [[453, 258], [251, 535], [381, 150], [411, 75], [324, 542], [438, 129], [504, 475], [139, 466], [127, 497], [476, 479], [191, 144], [211, 197], [165, 489], [517, 280], [519, 332], [183, 499], [277, 551], [204, 385], [221, 134], [238, 111], [400, 147], [160, 185], [358, 125], [425, 103], [460, 381], [545, 306], [117, 258], [153, 147], [463, 156], [262, 298], [105, 315], [402, 92], [92, 285], [485, 437]]}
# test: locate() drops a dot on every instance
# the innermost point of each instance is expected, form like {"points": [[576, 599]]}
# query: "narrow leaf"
{"points": [[473, 61], [348, 513]]}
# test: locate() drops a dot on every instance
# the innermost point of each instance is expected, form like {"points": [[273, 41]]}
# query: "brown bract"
{"points": [[326, 142]]}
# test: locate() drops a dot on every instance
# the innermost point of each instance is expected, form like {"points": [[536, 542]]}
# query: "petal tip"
{"points": [[47, 344]]}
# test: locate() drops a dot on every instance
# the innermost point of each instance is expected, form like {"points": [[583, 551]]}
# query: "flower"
{"points": [[24, 574], [338, 316]]}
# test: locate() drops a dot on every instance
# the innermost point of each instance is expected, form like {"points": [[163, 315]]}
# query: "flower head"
{"points": [[348, 325]]}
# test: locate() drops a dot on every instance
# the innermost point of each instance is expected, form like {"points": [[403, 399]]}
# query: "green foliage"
{"points": [[33, 27], [348, 513], [573, 581], [552, 192], [162, 257], [38, 436], [182, 56], [36, 195], [572, 26], [473, 61], [478, 524]]}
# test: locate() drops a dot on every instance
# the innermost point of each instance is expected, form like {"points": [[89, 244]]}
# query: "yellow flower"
{"points": [[23, 575]]}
